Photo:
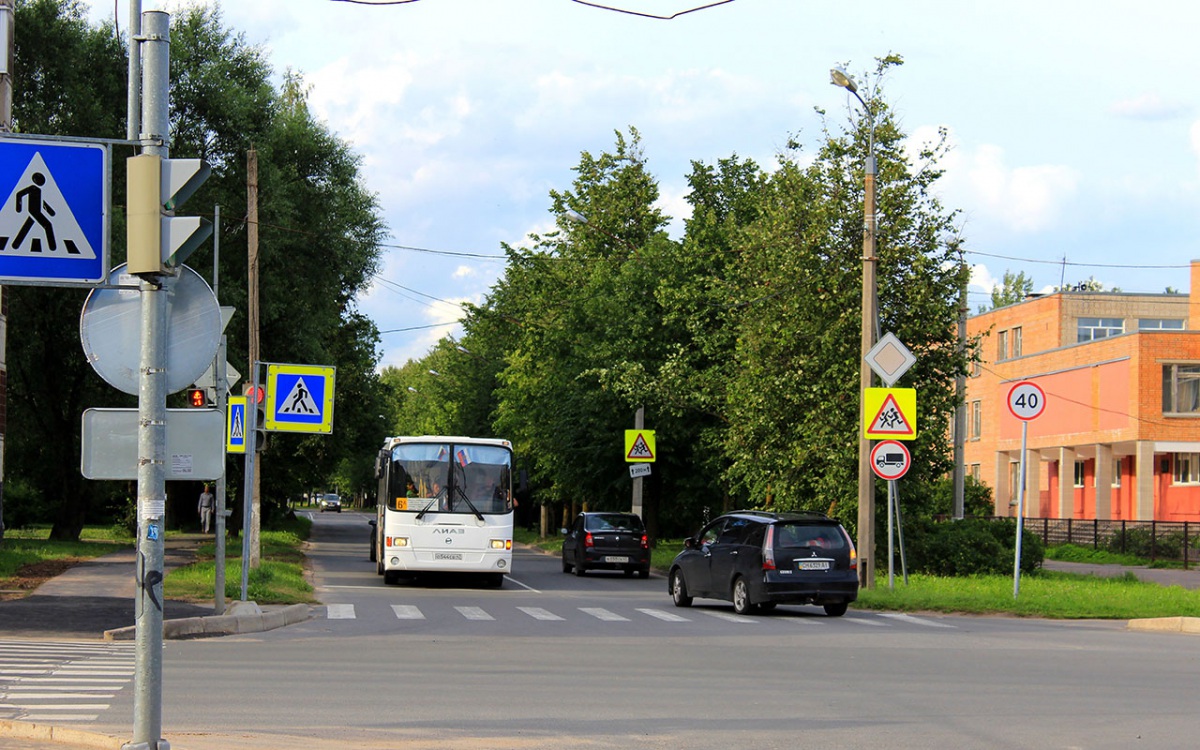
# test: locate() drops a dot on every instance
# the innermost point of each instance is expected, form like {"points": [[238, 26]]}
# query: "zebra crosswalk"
{"points": [[61, 681], [603, 614]]}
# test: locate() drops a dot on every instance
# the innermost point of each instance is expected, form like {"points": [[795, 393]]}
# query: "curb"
{"points": [[218, 625], [1167, 625], [26, 730]]}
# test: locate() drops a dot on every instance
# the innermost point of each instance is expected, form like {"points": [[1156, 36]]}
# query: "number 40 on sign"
{"points": [[1026, 400]]}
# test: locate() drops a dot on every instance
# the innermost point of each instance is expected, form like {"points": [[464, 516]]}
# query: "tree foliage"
{"points": [[1013, 289]]}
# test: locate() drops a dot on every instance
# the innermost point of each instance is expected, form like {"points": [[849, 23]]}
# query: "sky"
{"points": [[1075, 126]]}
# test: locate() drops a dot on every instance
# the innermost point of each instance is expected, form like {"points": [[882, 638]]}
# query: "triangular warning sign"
{"points": [[640, 449], [35, 220], [298, 401], [890, 420]]}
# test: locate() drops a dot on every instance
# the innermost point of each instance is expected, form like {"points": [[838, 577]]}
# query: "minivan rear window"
{"points": [[614, 522], [822, 536]]}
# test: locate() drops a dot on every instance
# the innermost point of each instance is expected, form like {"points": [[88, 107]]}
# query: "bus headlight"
{"points": [[498, 544], [397, 541]]}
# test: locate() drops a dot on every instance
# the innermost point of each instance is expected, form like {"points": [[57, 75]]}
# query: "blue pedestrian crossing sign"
{"points": [[299, 398], [235, 425], [54, 222]]}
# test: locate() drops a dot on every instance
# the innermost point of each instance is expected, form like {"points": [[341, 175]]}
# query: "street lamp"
{"points": [[870, 315]]}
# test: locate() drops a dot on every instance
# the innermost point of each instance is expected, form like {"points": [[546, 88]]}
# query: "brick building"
{"points": [[1120, 434]]}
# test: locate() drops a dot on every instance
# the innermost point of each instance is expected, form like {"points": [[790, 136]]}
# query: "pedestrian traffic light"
{"points": [[157, 240], [197, 398]]}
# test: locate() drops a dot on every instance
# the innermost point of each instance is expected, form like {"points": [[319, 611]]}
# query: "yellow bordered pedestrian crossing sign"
{"points": [[639, 446], [235, 425], [299, 398], [890, 413]]}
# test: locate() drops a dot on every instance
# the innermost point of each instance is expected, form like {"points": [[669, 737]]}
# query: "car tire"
{"points": [[836, 610], [679, 592], [644, 573], [566, 566], [741, 597], [579, 569]]}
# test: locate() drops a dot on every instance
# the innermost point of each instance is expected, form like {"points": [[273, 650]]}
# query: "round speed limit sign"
{"points": [[1026, 400]]}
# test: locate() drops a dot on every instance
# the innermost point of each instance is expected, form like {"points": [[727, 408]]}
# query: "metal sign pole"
{"points": [[1020, 511], [891, 506], [248, 479]]}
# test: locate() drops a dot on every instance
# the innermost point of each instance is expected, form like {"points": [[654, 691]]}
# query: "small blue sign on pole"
{"points": [[54, 221]]}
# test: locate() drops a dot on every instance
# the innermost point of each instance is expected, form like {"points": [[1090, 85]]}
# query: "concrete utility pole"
{"points": [[152, 416], [255, 513], [8, 40]]}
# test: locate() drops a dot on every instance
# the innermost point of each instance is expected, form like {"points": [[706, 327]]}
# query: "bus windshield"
{"points": [[450, 478]]}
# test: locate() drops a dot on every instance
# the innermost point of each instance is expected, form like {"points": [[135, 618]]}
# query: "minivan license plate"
{"points": [[447, 555], [616, 559], [813, 564]]}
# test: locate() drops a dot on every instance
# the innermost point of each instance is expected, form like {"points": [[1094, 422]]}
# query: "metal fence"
{"points": [[1155, 540]]}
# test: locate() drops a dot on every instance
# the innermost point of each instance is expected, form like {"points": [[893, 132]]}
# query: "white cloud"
{"points": [[464, 272], [1149, 106]]}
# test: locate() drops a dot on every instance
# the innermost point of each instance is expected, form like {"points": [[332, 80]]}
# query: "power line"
{"points": [[651, 15]]}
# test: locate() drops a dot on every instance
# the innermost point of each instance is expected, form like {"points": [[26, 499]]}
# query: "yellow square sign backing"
{"points": [[890, 414]]}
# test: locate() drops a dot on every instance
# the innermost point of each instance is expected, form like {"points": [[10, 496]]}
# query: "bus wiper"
{"points": [[428, 505], [467, 500]]}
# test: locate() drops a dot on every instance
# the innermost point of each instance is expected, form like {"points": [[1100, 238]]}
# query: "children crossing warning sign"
{"points": [[639, 446], [890, 413]]}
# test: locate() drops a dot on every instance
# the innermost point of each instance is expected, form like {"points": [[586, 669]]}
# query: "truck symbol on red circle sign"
{"points": [[890, 459]]}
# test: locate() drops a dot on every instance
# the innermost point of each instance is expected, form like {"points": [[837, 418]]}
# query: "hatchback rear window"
{"points": [[822, 536], [613, 522]]}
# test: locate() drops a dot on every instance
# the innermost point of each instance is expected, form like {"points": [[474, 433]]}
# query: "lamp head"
{"points": [[839, 77]]}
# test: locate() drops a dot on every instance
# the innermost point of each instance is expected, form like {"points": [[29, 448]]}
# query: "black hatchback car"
{"points": [[606, 541], [757, 559]]}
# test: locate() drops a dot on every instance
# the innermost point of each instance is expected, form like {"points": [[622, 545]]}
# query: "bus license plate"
{"points": [[616, 559], [813, 564], [447, 555]]}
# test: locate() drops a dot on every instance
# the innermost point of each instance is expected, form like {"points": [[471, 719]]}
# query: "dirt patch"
{"points": [[30, 576]]}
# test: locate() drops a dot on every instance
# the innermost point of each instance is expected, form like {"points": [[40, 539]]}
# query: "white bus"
{"points": [[445, 505]]}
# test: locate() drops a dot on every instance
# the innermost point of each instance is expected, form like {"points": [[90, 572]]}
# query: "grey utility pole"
{"points": [[7, 52], [152, 416]]}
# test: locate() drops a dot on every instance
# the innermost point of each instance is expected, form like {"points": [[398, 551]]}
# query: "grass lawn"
{"points": [[28, 557], [279, 579]]}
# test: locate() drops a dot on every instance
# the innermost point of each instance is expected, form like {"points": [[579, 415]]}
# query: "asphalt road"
{"points": [[604, 661]]}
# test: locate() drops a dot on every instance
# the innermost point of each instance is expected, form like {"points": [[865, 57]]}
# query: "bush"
{"points": [[969, 547]]}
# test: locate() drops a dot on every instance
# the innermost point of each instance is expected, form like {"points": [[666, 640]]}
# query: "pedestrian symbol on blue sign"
{"points": [[54, 218], [299, 398]]}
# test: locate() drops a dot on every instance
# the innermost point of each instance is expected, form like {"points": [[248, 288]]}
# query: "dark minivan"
{"points": [[757, 559], [606, 541]]}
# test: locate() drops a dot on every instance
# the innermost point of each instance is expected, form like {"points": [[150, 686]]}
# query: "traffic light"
{"points": [[157, 240], [260, 429], [197, 398]]}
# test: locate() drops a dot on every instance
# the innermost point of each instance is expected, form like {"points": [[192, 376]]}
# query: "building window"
{"points": [[1160, 324], [976, 420], [1079, 473], [1002, 346], [1187, 468], [1015, 341], [1181, 389], [974, 471], [976, 369], [1091, 329], [1116, 477]]}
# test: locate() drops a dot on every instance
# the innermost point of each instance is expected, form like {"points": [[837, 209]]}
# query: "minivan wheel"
{"points": [[836, 610], [679, 592], [741, 597]]}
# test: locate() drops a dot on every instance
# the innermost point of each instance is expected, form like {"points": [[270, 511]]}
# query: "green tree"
{"points": [[1013, 289]]}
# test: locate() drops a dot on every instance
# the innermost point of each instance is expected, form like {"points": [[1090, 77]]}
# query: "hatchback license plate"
{"points": [[447, 555], [813, 564], [616, 559]]}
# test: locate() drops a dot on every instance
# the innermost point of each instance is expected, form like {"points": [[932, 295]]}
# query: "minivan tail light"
{"points": [[588, 541], [853, 552], [769, 549], [645, 542]]}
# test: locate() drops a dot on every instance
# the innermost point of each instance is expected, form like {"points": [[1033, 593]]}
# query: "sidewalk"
{"points": [[94, 601], [1188, 579]]}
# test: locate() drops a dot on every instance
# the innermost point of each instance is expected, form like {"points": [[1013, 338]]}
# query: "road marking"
{"points": [[524, 586], [864, 621], [727, 617], [407, 612], [538, 613], [664, 615], [340, 611], [474, 613], [61, 717], [915, 620], [603, 614]]}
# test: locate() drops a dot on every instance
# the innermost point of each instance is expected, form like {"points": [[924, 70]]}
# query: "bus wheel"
{"points": [[391, 577], [496, 580]]}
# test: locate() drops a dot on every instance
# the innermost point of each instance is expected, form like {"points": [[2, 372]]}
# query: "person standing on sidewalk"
{"points": [[205, 508]]}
